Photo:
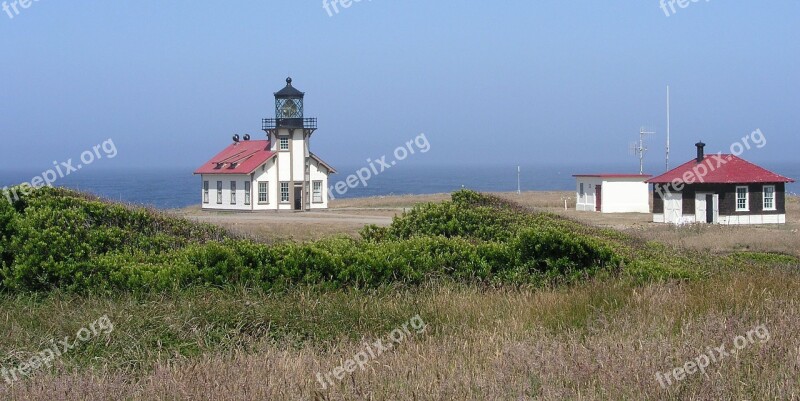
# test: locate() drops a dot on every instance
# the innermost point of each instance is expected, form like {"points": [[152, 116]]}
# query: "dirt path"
{"points": [[274, 226], [283, 218]]}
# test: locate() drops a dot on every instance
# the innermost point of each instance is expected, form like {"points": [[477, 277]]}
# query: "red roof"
{"points": [[238, 158], [720, 169], [604, 175]]}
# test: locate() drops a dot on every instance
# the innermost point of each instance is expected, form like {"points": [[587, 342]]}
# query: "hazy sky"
{"points": [[491, 82]]}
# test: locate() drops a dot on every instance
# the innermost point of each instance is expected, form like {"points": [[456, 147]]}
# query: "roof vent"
{"points": [[236, 138], [246, 137]]}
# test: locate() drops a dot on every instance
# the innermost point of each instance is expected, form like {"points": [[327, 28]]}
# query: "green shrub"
{"points": [[550, 250], [55, 238], [450, 219], [7, 232]]}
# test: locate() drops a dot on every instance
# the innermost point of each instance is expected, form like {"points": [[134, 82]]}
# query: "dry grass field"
{"points": [[605, 339], [598, 341]]}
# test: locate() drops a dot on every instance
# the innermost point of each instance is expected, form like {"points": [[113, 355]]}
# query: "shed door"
{"points": [[715, 208], [598, 195], [701, 208], [673, 207], [706, 208]]}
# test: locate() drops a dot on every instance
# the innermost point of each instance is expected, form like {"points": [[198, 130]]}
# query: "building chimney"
{"points": [[700, 151]]}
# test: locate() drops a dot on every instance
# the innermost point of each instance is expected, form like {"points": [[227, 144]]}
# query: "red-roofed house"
{"points": [[279, 173], [719, 189]]}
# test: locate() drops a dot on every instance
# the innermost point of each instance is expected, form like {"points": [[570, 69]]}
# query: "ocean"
{"points": [[173, 188]]}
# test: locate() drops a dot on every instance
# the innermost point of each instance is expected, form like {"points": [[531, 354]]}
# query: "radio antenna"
{"points": [[640, 149], [667, 155]]}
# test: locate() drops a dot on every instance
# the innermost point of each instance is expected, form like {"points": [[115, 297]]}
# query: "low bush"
{"points": [[59, 239]]}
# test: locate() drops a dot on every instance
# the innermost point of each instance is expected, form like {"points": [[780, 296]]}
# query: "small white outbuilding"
{"points": [[612, 193]]}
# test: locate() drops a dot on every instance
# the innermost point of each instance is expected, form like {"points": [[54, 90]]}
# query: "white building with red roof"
{"points": [[279, 173], [719, 189]]}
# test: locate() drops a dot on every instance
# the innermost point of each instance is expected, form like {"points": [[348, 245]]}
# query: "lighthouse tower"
{"points": [[302, 177]]}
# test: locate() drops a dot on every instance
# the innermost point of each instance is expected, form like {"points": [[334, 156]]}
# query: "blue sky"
{"points": [[512, 82]]}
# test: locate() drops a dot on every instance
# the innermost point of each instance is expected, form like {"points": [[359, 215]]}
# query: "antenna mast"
{"points": [[640, 149], [667, 158]]}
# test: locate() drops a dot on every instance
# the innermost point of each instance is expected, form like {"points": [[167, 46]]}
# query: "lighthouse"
{"points": [[279, 173]]}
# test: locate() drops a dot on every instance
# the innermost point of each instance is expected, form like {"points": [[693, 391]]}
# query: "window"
{"points": [[742, 199], [219, 192], [317, 192], [769, 197], [289, 108], [283, 143], [247, 192], [284, 192], [581, 190], [233, 192], [263, 192], [205, 191]]}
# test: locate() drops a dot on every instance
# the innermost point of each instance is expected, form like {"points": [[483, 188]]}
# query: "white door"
{"points": [[700, 208], [673, 208], [715, 207]]}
